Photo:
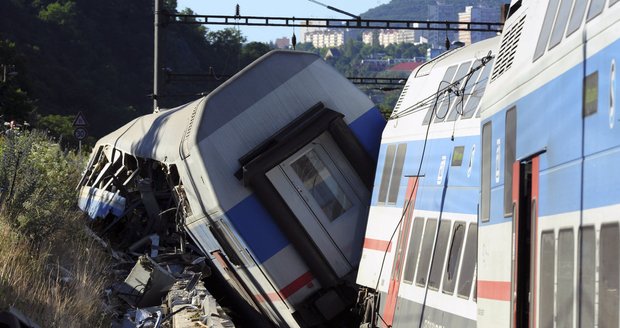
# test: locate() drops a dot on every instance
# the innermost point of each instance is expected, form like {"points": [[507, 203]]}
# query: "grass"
{"points": [[50, 270]]}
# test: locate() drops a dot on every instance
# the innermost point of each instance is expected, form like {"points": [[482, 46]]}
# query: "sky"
{"points": [[277, 8]]}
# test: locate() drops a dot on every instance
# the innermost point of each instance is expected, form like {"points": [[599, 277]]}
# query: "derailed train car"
{"points": [[269, 175], [419, 258]]}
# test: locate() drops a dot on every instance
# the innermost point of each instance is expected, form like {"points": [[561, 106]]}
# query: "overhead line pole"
{"points": [[158, 14]]}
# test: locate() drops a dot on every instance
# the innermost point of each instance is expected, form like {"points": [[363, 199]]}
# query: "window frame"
{"points": [[456, 255]]}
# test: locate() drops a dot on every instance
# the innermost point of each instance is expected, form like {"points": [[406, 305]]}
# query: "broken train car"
{"points": [[269, 175]]}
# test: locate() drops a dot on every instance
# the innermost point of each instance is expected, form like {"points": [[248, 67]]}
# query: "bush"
{"points": [[49, 268], [37, 180]]}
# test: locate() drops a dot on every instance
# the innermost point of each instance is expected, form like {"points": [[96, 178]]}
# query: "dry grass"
{"points": [[31, 279]]}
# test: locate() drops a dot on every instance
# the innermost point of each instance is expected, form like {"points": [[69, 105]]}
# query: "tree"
{"points": [[15, 104], [252, 51], [59, 13]]}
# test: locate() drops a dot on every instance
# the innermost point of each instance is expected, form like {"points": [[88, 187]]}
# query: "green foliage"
{"points": [[253, 51], [37, 180], [59, 13], [15, 103], [57, 125]]}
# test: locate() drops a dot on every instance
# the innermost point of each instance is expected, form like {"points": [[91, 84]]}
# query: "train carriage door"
{"points": [[328, 199], [525, 243], [400, 249]]}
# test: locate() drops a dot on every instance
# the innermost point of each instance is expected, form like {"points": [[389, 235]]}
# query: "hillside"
{"points": [[418, 9], [97, 57]]}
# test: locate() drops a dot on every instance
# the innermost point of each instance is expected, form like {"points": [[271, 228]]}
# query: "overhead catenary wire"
{"points": [[424, 103]]}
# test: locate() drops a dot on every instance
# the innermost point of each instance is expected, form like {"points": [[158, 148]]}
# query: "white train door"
{"points": [[525, 246], [328, 198]]}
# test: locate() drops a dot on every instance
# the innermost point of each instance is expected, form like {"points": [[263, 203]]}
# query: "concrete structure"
{"points": [[387, 37], [440, 12], [477, 14], [283, 43]]}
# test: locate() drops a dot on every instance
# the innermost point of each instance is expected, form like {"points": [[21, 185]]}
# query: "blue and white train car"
{"points": [[549, 232], [419, 257], [273, 172]]}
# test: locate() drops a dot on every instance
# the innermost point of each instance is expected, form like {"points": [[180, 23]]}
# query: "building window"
{"points": [[392, 173]]}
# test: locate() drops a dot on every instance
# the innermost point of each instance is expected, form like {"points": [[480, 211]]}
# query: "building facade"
{"points": [[477, 14]]}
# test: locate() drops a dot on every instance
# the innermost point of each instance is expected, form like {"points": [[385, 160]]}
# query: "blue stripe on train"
{"points": [[368, 128], [545, 121], [463, 183], [258, 228]]}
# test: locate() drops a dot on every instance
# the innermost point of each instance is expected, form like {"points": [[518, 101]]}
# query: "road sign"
{"points": [[80, 133], [80, 120]]}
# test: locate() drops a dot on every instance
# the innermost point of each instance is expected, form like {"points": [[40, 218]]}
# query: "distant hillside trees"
{"points": [[97, 57]]}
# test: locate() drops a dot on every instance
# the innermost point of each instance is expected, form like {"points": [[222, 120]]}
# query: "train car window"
{"points": [[413, 250], [457, 156], [609, 280], [425, 252], [470, 257], [565, 274], [322, 185], [386, 174], [588, 274], [392, 173], [547, 270], [474, 99], [439, 256], [510, 153], [397, 173], [459, 105], [576, 17], [543, 38], [452, 100], [486, 172], [454, 257], [591, 94], [595, 9], [447, 79], [560, 23]]}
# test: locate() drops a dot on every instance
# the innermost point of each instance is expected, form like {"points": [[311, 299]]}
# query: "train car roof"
{"points": [[160, 135]]}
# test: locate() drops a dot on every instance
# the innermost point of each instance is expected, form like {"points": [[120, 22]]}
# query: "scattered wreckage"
{"points": [[265, 182]]}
